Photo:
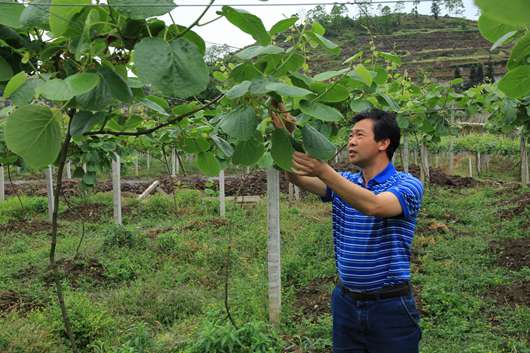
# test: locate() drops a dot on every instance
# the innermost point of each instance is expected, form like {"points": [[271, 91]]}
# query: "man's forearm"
{"points": [[311, 184], [358, 197]]}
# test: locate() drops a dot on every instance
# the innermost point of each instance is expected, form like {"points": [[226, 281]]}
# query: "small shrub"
{"points": [[120, 236], [168, 242], [252, 337]]}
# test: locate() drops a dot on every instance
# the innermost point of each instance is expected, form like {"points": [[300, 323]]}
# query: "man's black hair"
{"points": [[385, 127]]}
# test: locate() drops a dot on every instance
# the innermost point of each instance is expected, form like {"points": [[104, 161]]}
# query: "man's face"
{"points": [[362, 147]]}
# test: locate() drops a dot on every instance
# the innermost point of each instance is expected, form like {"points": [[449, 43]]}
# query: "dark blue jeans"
{"points": [[375, 326]]}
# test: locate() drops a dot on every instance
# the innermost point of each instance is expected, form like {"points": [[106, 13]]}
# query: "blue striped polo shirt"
{"points": [[373, 252]]}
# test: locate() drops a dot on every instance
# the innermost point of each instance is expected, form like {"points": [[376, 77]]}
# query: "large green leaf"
{"points": [[83, 121], [492, 29], [324, 76], [283, 25], [512, 12], [359, 106], [141, 9], [248, 23], [316, 144], [6, 72], [320, 111], [286, 90], [175, 69], [240, 123], [10, 14], [281, 149], [14, 83], [257, 50], [55, 90], [238, 90], [520, 52], [208, 164], [245, 72], [36, 14], [223, 145], [117, 84], [326, 43], [62, 12], [81, 83], [363, 73], [96, 99], [25, 93], [34, 133], [516, 83], [248, 152]]}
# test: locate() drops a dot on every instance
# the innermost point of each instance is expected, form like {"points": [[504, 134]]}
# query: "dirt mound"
{"points": [[91, 211], [512, 253], [314, 299], [75, 271], [25, 226], [515, 205], [515, 293], [14, 301]]}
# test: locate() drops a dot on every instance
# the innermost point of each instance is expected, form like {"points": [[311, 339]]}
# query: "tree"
{"points": [[435, 9]]}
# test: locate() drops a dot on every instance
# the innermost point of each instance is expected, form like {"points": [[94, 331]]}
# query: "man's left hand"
{"points": [[305, 165]]}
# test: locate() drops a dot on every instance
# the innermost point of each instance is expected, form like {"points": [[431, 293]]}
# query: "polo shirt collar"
{"points": [[380, 178]]}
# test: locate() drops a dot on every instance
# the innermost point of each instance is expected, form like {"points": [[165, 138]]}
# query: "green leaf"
{"points": [[62, 12], [55, 90], [502, 40], [294, 63], [117, 84], [25, 93], [223, 145], [245, 72], [316, 144], [324, 76], [393, 58], [318, 28], [364, 74], [390, 102], [189, 35], [403, 122], [208, 164], [516, 82], [520, 52], [248, 152], [492, 29], [34, 133], [240, 123], [6, 72], [335, 94], [283, 25], [10, 14], [329, 45], [83, 121], [257, 50], [360, 106], [248, 23], [36, 14], [286, 90], [81, 83], [238, 90], [96, 99], [14, 83], [281, 149], [149, 103], [175, 69], [320, 111], [140, 9], [512, 12]]}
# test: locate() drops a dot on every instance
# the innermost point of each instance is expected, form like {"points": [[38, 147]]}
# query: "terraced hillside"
{"points": [[437, 47]]}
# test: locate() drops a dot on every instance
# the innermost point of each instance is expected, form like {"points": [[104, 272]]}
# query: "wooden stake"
{"points": [[2, 184], [222, 204], [116, 189], [49, 188], [274, 264], [525, 175], [69, 170]]}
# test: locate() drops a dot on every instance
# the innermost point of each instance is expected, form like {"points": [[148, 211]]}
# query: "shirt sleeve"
{"points": [[410, 194], [330, 195]]}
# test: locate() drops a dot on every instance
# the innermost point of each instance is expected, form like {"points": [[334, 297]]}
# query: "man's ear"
{"points": [[384, 144]]}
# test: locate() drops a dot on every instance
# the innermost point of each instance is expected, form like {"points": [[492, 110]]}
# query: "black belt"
{"points": [[399, 290]]}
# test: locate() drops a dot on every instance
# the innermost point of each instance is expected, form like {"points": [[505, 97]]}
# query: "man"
{"points": [[374, 218]]}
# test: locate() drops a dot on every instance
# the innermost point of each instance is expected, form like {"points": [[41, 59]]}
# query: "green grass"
{"points": [[162, 288]]}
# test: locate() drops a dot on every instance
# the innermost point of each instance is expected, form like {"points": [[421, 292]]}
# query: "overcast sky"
{"points": [[222, 32]]}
